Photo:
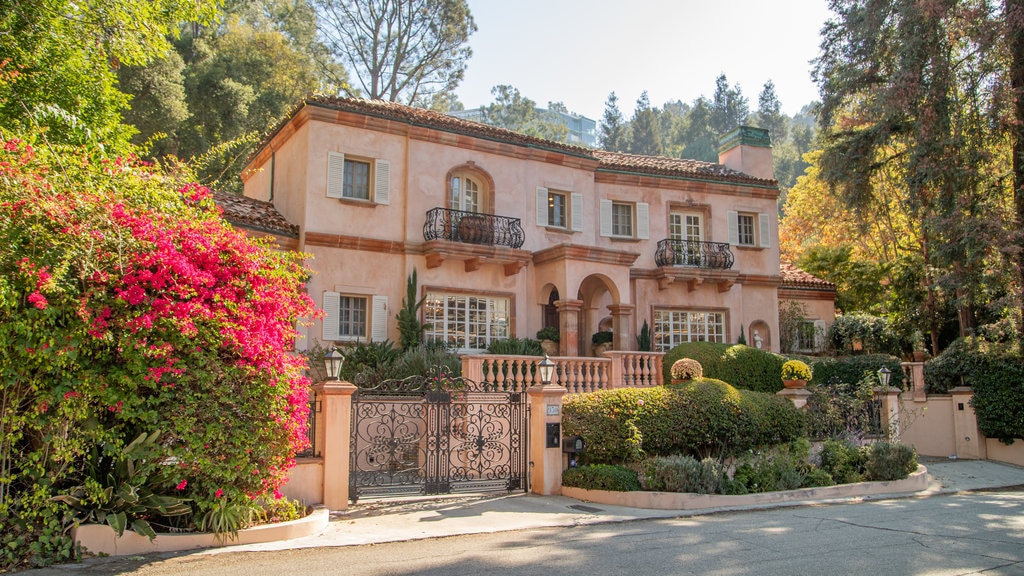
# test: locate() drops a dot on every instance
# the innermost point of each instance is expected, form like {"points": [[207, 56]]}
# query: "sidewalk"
{"points": [[391, 521]]}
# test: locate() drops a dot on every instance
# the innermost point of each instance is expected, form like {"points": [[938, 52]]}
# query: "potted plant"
{"points": [[602, 341], [548, 337], [686, 369], [795, 374]]}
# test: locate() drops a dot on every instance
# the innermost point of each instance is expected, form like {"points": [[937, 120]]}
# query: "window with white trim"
{"points": [[464, 194], [810, 336], [557, 209], [465, 321], [354, 317], [749, 229], [625, 219], [688, 229], [673, 327], [356, 178]]}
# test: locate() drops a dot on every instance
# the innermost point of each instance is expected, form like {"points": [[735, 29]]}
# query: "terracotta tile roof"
{"points": [[250, 213], [793, 277], [612, 161], [660, 165]]}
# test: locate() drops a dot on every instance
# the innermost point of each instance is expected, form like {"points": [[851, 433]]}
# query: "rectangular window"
{"points": [[745, 228], [622, 219], [464, 321], [357, 180], [352, 317], [557, 210], [686, 231], [673, 327]]}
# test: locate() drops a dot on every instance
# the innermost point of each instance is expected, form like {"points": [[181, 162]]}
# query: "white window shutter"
{"points": [[763, 228], [576, 211], [542, 206], [734, 228], [819, 335], [335, 174], [382, 182], [379, 317], [606, 217], [643, 221], [331, 320]]}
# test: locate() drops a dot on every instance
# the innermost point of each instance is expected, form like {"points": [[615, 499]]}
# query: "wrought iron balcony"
{"points": [[473, 228], [696, 254]]}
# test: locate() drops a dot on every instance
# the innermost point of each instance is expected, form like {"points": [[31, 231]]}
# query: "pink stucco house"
{"points": [[510, 233]]}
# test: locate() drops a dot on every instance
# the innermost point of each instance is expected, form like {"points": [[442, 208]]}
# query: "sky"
{"points": [[579, 51]]}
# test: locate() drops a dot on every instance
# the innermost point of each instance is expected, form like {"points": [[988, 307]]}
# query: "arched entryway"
{"points": [[600, 299]]}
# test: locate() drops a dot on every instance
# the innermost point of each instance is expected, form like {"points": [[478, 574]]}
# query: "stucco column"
{"points": [[337, 417], [545, 460], [798, 396], [967, 438], [890, 411], [569, 326], [915, 373], [622, 335]]}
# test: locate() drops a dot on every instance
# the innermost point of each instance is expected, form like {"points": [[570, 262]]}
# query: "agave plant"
{"points": [[119, 490]]}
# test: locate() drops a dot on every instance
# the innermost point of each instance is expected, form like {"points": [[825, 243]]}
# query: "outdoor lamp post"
{"points": [[883, 376], [333, 361], [546, 367]]}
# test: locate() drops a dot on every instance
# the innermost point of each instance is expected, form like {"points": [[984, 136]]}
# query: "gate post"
{"points": [[337, 416], [545, 461]]}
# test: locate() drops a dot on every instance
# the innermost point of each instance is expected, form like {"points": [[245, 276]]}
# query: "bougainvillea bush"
{"points": [[128, 307]]}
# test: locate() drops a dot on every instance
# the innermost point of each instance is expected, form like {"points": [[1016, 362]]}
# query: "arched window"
{"points": [[465, 194]]}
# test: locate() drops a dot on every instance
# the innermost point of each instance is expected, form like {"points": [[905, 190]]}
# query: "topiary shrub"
{"points": [[741, 366], [708, 354], [851, 369], [890, 461], [601, 477], [683, 474], [998, 384], [769, 419], [686, 369], [610, 422]]}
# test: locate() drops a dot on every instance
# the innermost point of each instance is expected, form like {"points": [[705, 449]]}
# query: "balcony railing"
{"points": [[473, 228], [696, 254]]}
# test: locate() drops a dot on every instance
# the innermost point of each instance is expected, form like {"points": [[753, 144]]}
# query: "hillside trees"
{"points": [[612, 131], [398, 50]]}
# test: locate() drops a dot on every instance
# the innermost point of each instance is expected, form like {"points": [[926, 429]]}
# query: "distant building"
{"points": [[582, 130]]}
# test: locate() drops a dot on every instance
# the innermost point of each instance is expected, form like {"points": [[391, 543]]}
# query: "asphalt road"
{"points": [[958, 534]]}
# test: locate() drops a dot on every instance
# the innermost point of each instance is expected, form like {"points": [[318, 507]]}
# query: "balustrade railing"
{"points": [[473, 228], [714, 255], [618, 369]]}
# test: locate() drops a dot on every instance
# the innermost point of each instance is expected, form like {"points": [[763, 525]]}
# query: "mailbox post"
{"points": [[546, 432]]}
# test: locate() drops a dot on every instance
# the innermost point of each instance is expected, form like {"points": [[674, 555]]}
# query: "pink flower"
{"points": [[218, 493], [37, 300], [183, 484]]}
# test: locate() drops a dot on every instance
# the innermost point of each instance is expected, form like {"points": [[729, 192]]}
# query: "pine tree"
{"points": [[613, 132], [646, 137], [769, 113]]}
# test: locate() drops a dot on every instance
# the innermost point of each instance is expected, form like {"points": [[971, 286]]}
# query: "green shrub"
{"points": [[851, 369], [741, 366], [816, 477], [875, 334], [781, 467], [769, 420], [843, 460], [601, 477], [683, 474], [610, 421], [890, 461], [602, 337], [548, 333], [516, 347], [840, 410]]}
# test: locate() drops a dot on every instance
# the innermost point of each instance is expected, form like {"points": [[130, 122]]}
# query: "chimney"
{"points": [[749, 150]]}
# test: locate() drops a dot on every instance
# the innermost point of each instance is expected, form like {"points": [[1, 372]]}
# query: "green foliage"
{"points": [[742, 366], [852, 369], [858, 282], [995, 372], [548, 333], [515, 112], [837, 410], [610, 421], [602, 337], [515, 347], [601, 477], [612, 129], [782, 467], [683, 474], [423, 360], [843, 460], [645, 136], [126, 488], [643, 339], [873, 333], [410, 328], [890, 461]]}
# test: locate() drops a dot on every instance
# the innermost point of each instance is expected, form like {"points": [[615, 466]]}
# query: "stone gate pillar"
{"points": [[545, 462], [337, 417]]}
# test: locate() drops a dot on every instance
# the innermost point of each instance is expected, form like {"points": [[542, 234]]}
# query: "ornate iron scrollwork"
{"points": [[713, 255], [473, 228]]}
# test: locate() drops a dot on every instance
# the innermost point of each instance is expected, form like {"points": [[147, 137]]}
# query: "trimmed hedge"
{"points": [[850, 369], [702, 418], [601, 477], [742, 366]]}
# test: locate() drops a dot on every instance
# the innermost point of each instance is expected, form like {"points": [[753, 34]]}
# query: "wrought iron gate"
{"points": [[436, 435]]}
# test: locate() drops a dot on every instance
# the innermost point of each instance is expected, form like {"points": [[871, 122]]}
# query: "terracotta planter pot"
{"points": [[794, 383], [550, 347]]}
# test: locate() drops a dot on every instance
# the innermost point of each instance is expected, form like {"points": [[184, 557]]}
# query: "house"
{"points": [[814, 311], [509, 233]]}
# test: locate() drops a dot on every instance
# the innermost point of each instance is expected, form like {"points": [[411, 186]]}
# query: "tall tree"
{"points": [[645, 131], [1013, 11], [699, 140], [59, 58], [769, 113], [399, 50], [729, 108], [513, 111], [909, 88], [612, 135]]}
